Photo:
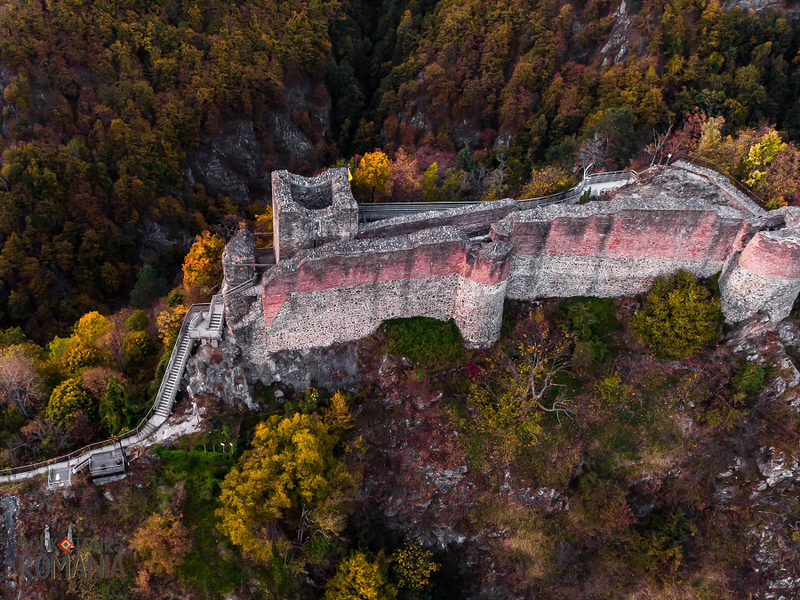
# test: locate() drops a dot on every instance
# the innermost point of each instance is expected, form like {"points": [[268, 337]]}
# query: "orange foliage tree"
{"points": [[202, 267], [161, 543]]}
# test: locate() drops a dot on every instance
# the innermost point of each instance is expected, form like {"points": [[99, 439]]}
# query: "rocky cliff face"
{"points": [[238, 158], [764, 5]]}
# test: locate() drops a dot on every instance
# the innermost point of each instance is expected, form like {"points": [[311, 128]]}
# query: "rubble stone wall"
{"points": [[339, 286], [344, 291], [308, 212], [585, 251], [764, 278], [238, 259]]}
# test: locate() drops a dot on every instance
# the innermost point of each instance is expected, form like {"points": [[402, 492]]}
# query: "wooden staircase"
{"points": [[201, 322]]}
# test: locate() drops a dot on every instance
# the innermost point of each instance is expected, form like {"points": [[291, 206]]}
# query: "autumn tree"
{"points": [[90, 327], [81, 355], [680, 317], [546, 181], [373, 173], [413, 566], [161, 543], [405, 180], [600, 510], [96, 379], [520, 385], [38, 437], [67, 400], [759, 158], [138, 348], [338, 415], [287, 491], [203, 265], [359, 578], [20, 383], [137, 321], [169, 323]]}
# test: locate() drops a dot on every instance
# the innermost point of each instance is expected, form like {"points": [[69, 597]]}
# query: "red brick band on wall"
{"points": [[667, 234], [476, 263], [771, 257]]}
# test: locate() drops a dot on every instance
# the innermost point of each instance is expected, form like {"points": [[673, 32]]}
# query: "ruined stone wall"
{"points": [[344, 291], [734, 197], [472, 219], [428, 265], [764, 278], [311, 211], [238, 260], [606, 250]]}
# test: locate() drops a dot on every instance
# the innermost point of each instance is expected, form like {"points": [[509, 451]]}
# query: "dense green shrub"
{"points": [[150, 286], [426, 342], [138, 321], [138, 348], [11, 337], [117, 411], [595, 321], [657, 548], [750, 378], [206, 568], [680, 317]]}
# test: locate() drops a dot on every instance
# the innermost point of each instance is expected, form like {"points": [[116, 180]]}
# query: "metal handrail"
{"points": [[114, 439], [241, 286], [576, 190], [736, 183], [181, 334]]}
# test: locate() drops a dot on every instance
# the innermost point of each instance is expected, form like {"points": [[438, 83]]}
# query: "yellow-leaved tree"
{"points": [[373, 173], [67, 400], [264, 224], [546, 181], [81, 350], [91, 327], [761, 155], [169, 323], [519, 386], [202, 267], [338, 415], [359, 578], [288, 494]]}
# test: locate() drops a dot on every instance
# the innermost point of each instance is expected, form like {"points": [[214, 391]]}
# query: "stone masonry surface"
{"points": [[309, 212], [336, 282]]}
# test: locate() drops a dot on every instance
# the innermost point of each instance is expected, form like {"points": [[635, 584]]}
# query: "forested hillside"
{"points": [[130, 126]]}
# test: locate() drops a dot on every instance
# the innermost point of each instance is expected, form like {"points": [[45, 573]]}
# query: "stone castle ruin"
{"points": [[336, 280]]}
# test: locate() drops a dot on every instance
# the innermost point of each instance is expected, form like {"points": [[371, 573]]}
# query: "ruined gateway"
{"points": [[336, 280]]}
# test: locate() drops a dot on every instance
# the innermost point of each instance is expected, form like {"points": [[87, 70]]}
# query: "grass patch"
{"points": [[212, 566], [428, 343], [595, 322]]}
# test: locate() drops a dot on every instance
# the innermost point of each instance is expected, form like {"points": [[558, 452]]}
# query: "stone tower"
{"points": [[478, 309], [309, 212], [765, 277]]}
